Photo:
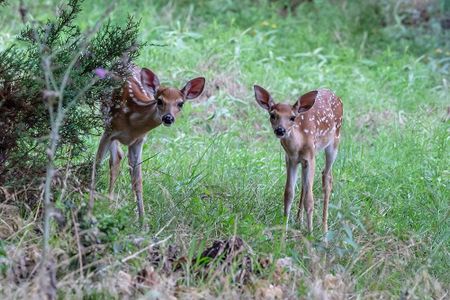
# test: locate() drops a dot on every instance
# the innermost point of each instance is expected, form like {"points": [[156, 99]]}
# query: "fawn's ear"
{"points": [[263, 97], [193, 88], [149, 80], [305, 102]]}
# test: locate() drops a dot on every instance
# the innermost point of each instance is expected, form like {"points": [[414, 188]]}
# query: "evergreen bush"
{"points": [[24, 100]]}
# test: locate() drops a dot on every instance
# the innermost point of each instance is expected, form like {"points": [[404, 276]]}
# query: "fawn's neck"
{"points": [[145, 118], [292, 141]]}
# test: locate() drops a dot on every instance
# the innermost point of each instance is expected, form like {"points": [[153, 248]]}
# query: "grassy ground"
{"points": [[219, 171]]}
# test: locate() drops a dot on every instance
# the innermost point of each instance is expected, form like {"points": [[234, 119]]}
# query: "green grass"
{"points": [[219, 171]]}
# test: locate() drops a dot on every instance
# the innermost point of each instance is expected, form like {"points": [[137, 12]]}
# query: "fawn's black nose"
{"points": [[279, 131], [168, 119]]}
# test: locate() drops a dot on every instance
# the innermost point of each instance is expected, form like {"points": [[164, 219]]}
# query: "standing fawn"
{"points": [[313, 123], [142, 105]]}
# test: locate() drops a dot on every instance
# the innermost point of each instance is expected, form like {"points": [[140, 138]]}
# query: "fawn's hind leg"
{"points": [[327, 180], [302, 199]]}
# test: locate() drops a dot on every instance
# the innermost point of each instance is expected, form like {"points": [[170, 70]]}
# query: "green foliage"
{"points": [[23, 94]]}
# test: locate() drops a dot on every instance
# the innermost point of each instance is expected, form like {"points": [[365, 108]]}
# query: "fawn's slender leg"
{"points": [[327, 181], [308, 181], [134, 160], [116, 155], [289, 191], [105, 142], [302, 198]]}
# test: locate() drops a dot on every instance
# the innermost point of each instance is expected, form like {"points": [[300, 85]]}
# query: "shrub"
{"points": [[24, 100]]}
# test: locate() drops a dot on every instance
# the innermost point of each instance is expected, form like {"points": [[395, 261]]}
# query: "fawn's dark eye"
{"points": [[292, 118], [272, 116], [159, 101], [180, 104]]}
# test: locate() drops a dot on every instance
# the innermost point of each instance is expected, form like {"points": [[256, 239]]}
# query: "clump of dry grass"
{"points": [[227, 81], [10, 220], [375, 120], [225, 269]]}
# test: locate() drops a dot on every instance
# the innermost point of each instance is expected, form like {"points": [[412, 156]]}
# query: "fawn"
{"points": [[313, 123], [142, 105]]}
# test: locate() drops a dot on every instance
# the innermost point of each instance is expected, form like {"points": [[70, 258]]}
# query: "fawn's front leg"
{"points": [[134, 161], [308, 166], [105, 143], [289, 190]]}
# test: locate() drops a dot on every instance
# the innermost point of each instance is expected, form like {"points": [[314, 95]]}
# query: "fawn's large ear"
{"points": [[263, 97], [193, 88], [305, 102], [149, 80]]}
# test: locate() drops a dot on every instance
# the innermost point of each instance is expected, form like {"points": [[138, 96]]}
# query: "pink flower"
{"points": [[101, 73]]}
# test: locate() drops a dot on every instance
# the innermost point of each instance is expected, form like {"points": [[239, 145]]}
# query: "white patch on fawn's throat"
{"points": [[289, 131]]}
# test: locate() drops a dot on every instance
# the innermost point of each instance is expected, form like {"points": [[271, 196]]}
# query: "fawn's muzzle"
{"points": [[168, 119], [279, 131]]}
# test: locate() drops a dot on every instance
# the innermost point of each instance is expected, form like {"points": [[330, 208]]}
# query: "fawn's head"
{"points": [[169, 100], [283, 116]]}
